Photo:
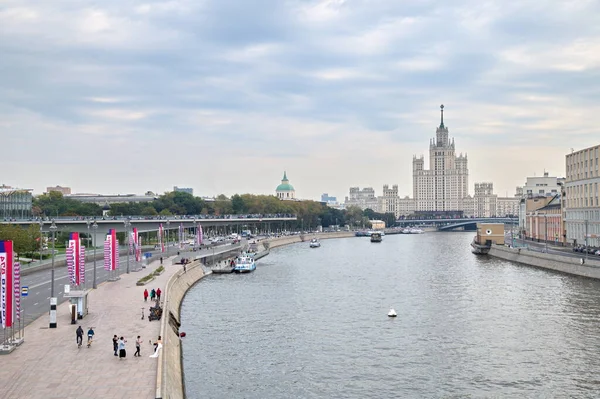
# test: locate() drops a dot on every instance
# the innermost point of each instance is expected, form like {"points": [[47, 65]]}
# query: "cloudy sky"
{"points": [[125, 96]]}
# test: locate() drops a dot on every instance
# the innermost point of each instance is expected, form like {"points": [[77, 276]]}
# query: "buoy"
{"points": [[392, 313]]}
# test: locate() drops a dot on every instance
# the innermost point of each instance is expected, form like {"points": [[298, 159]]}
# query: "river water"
{"points": [[312, 323]]}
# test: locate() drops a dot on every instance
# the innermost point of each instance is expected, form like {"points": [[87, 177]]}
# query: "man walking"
{"points": [[146, 295], [79, 333], [115, 344], [158, 292], [138, 344], [152, 294]]}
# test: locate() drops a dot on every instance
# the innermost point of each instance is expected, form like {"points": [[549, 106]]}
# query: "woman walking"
{"points": [[145, 295], [122, 352]]}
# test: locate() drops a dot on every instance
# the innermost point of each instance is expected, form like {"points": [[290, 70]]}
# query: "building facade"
{"points": [[582, 207], [443, 186], [104, 200], [285, 191], [545, 224], [188, 190], [327, 199], [364, 199], [15, 203], [60, 189]]}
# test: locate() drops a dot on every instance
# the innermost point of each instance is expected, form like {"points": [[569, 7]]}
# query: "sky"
{"points": [[124, 96]]}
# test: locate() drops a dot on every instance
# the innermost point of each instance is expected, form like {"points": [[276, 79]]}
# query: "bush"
{"points": [[158, 271]]}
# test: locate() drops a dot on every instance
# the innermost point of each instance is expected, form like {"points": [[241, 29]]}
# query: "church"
{"points": [[285, 191]]}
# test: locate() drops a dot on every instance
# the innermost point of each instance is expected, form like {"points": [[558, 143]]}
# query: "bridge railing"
{"points": [[174, 218]]}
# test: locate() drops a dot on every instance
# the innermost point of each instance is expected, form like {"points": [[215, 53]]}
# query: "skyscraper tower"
{"points": [[442, 187]]}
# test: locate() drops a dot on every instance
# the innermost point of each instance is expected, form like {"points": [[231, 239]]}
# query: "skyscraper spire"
{"points": [[442, 111]]}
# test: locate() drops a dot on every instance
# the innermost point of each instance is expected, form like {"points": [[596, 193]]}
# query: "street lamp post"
{"points": [[168, 223], [546, 228], [53, 301], [95, 228], [41, 240], [127, 225], [88, 222]]}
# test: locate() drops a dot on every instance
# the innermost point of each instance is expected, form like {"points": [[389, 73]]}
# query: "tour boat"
{"points": [[392, 313], [376, 237], [314, 243], [244, 263]]}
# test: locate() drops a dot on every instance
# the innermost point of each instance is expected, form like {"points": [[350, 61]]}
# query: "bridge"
{"points": [[147, 224], [456, 224]]}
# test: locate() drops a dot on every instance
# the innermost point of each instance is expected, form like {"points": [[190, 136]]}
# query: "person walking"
{"points": [[158, 292], [79, 333], [161, 260], [138, 345], [90, 335], [152, 294], [146, 295], [115, 344], [122, 351]]}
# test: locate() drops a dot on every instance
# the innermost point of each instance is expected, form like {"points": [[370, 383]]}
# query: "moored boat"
{"points": [[244, 263]]}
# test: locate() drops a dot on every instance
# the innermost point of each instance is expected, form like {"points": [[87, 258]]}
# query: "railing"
{"points": [[187, 218]]}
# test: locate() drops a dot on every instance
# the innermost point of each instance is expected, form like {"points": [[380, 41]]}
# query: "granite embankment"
{"points": [[564, 264], [169, 376]]}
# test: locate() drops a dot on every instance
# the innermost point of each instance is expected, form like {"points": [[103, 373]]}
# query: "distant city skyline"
{"points": [[223, 96]]}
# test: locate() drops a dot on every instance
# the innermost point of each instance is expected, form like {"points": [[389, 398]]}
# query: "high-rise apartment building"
{"points": [[364, 199], [60, 189], [443, 186], [582, 208]]}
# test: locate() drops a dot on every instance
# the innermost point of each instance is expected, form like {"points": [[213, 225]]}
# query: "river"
{"points": [[312, 323]]}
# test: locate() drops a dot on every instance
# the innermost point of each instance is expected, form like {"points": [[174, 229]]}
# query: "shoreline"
{"points": [[589, 268], [169, 376]]}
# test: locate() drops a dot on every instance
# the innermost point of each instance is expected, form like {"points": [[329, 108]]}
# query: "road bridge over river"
{"points": [[456, 224]]}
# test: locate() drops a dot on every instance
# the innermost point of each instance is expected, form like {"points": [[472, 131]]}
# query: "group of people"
{"points": [[154, 295], [119, 346], [79, 335]]}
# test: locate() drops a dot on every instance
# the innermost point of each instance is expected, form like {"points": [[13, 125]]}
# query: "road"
{"points": [[38, 300]]}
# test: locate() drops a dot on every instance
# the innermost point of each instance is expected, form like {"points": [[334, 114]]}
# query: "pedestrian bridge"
{"points": [[469, 224], [145, 224]]}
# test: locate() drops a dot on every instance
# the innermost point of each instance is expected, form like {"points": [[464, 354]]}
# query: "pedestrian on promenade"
{"points": [[122, 352], [79, 334], [184, 268], [138, 344], [115, 344], [90, 336], [158, 292], [161, 260], [146, 295], [152, 294]]}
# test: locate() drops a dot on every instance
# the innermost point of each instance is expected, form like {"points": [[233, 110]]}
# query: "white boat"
{"points": [[415, 231], [392, 313], [314, 243], [244, 263]]}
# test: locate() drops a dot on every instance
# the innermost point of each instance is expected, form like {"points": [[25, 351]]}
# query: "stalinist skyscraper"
{"points": [[442, 187]]}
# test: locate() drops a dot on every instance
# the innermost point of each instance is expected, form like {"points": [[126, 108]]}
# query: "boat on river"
{"points": [[244, 263], [314, 243], [376, 237]]}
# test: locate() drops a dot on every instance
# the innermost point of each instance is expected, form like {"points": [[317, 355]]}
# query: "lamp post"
{"points": [[546, 228], [195, 229], [127, 225], [53, 301], [88, 222], [168, 223], [41, 240], [95, 228]]}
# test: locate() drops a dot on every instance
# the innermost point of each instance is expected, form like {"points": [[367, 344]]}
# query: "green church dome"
{"points": [[285, 184], [285, 187]]}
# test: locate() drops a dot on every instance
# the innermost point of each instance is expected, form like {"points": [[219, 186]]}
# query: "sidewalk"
{"points": [[49, 364]]}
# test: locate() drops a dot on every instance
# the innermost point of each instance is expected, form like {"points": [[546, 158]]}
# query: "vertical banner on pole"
{"points": [[161, 240], [137, 249], [74, 264], [17, 289], [199, 234], [6, 283], [111, 251], [180, 235]]}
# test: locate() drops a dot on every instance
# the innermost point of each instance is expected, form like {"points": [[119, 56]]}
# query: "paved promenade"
{"points": [[49, 364]]}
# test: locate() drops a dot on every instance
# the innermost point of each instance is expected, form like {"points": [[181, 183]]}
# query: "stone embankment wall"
{"points": [[285, 240], [564, 264], [169, 376]]}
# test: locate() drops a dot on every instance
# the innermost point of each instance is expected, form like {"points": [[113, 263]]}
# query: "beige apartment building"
{"points": [[582, 209]]}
